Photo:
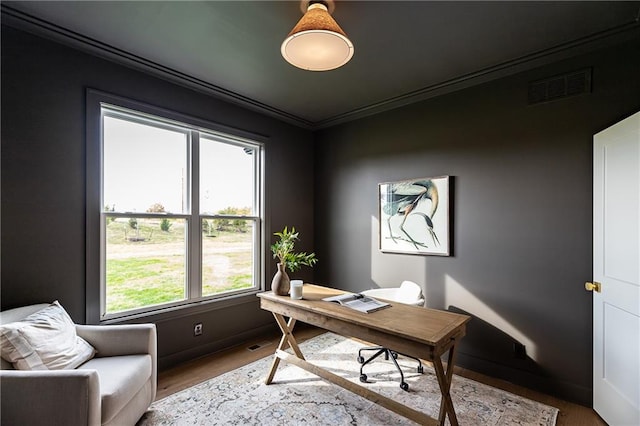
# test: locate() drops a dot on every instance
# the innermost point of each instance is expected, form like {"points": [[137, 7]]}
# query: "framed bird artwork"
{"points": [[414, 216]]}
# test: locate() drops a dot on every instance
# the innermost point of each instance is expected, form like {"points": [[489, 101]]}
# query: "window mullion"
{"points": [[195, 232]]}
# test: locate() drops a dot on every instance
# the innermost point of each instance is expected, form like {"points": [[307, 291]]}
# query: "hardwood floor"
{"points": [[199, 370]]}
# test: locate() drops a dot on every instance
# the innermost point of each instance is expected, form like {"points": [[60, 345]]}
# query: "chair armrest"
{"points": [[115, 340], [130, 339], [50, 397]]}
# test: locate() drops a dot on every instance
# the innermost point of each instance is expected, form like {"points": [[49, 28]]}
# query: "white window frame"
{"points": [[103, 105]]}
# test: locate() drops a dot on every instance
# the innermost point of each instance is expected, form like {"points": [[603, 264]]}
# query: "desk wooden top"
{"points": [[424, 325]]}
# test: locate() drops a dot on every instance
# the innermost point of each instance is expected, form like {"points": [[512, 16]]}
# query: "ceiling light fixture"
{"points": [[317, 43]]}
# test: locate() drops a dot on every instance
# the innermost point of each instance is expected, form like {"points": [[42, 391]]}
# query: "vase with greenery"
{"points": [[288, 259]]}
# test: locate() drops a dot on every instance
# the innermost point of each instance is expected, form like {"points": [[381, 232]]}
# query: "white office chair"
{"points": [[408, 293]]}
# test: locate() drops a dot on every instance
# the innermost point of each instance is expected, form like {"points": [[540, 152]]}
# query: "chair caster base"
{"points": [[404, 386], [363, 378]]}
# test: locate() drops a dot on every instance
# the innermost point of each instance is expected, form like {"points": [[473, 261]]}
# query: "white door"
{"points": [[616, 260]]}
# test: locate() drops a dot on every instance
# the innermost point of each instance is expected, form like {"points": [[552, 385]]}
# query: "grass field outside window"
{"points": [[147, 266]]}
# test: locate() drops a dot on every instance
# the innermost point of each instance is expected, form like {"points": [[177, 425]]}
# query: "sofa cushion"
{"points": [[16, 314], [44, 340], [121, 377]]}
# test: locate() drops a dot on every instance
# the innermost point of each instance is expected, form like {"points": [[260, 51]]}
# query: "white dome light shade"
{"points": [[317, 43], [317, 50]]}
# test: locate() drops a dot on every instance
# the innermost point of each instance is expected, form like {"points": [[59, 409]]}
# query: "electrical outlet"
{"points": [[197, 329]]}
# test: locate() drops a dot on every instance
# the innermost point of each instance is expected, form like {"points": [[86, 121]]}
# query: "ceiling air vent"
{"points": [[560, 86]]}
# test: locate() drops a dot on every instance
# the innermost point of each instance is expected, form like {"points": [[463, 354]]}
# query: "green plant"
{"points": [[283, 250], [133, 223], [165, 224], [230, 224]]}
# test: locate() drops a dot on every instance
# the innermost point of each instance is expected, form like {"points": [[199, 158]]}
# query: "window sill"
{"points": [[187, 309]]}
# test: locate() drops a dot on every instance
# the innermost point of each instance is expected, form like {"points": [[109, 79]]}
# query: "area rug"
{"points": [[297, 397]]}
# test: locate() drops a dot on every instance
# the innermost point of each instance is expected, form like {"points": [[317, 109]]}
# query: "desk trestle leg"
{"points": [[444, 380], [286, 340]]}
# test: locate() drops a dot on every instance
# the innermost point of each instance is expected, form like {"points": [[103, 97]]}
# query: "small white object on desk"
{"points": [[296, 289]]}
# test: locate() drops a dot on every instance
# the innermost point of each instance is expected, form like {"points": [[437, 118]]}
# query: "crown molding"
{"points": [[26, 22], [581, 46]]}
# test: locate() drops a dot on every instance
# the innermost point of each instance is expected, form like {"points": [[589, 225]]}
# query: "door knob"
{"points": [[593, 286]]}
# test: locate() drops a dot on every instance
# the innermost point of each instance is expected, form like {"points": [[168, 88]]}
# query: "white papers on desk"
{"points": [[358, 302]]}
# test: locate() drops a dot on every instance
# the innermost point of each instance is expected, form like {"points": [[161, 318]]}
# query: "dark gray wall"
{"points": [[43, 183], [521, 218]]}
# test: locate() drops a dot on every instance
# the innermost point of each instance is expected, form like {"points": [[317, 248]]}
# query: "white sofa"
{"points": [[114, 388]]}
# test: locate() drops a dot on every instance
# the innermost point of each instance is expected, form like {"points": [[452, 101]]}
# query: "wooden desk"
{"points": [[423, 333]]}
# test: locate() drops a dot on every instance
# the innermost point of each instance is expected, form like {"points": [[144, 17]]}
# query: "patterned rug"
{"points": [[296, 397]]}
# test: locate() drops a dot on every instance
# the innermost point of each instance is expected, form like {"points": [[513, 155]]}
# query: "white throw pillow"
{"points": [[45, 340]]}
